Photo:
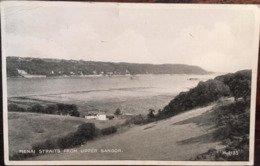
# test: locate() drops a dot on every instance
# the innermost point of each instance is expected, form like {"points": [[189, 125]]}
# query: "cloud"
{"points": [[218, 41]]}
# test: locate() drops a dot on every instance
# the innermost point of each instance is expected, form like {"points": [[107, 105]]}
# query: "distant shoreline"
{"points": [[99, 76]]}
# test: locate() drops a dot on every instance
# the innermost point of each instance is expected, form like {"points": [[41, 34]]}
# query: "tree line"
{"points": [[57, 109], [55, 67]]}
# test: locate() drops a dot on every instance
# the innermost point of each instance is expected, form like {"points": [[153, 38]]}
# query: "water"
{"points": [[161, 84]]}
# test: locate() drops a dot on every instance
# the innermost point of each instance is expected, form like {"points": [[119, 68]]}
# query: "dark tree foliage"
{"points": [[151, 114], [117, 112], [63, 109], [15, 108], [86, 131], [239, 83], [201, 95], [37, 108], [51, 109], [109, 130], [233, 123], [54, 67]]}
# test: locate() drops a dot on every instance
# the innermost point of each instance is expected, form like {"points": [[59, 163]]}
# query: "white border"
{"points": [[254, 8]]}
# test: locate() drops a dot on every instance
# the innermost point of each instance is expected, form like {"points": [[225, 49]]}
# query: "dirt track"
{"points": [[178, 138]]}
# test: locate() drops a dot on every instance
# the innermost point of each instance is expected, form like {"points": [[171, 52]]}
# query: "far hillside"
{"points": [[17, 66]]}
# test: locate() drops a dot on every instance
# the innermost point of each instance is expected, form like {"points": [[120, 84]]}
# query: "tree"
{"points": [[117, 112], [51, 109], [15, 108], [37, 108], [86, 131], [151, 114], [239, 83], [74, 113]]}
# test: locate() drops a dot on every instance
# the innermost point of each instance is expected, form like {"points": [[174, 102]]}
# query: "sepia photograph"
{"points": [[94, 83]]}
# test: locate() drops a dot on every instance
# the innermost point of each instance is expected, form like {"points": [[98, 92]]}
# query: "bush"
{"points": [[109, 130], [51, 109], [65, 109], [139, 119], [232, 119], [69, 141], [232, 122], [37, 108], [86, 131], [117, 112], [239, 83], [201, 95], [15, 108], [151, 114]]}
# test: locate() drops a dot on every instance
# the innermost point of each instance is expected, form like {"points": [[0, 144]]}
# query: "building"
{"points": [[101, 117], [96, 116]]}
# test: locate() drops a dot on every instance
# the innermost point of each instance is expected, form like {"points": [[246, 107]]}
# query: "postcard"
{"points": [[91, 83]]}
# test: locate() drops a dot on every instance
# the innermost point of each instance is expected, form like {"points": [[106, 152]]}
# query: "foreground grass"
{"points": [[26, 129]]}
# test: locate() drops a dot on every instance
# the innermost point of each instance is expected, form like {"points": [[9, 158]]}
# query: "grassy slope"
{"points": [[178, 138], [26, 129]]}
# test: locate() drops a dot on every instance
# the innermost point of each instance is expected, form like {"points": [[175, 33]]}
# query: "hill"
{"points": [[26, 129], [178, 138], [17, 66]]}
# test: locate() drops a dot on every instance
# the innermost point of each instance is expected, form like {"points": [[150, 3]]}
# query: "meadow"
{"points": [[26, 129]]}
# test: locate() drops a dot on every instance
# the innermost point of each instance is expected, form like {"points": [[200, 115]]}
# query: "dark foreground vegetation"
{"points": [[232, 120], [56, 67], [86, 132], [57, 109], [237, 85], [233, 124]]}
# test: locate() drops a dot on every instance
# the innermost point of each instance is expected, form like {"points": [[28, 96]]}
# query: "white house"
{"points": [[91, 116], [101, 117], [96, 116]]}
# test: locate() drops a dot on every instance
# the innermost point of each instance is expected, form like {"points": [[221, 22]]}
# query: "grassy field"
{"points": [[179, 138], [25, 129]]}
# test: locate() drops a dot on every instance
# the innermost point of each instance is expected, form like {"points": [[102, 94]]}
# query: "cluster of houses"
{"points": [[26, 75]]}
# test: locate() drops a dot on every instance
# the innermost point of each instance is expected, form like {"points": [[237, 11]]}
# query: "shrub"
{"points": [[139, 119], [37, 108], [86, 131], [15, 108], [239, 83], [109, 130], [65, 109], [68, 141], [51, 109], [117, 112], [201, 95], [151, 114]]}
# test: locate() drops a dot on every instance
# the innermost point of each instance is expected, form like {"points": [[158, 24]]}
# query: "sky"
{"points": [[216, 39]]}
